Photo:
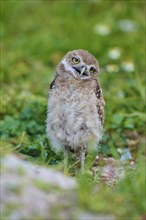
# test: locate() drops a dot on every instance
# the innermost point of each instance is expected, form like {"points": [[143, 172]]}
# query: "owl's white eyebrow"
{"points": [[66, 66], [75, 56], [80, 58]]}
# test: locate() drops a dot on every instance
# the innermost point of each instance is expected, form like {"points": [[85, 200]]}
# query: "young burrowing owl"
{"points": [[76, 105]]}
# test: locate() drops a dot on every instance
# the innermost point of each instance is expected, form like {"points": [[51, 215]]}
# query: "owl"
{"points": [[75, 113]]}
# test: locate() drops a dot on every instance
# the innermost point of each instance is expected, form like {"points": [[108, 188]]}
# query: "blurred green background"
{"points": [[35, 35]]}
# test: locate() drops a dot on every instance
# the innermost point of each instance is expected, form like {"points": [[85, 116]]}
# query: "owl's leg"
{"points": [[82, 159], [66, 154]]}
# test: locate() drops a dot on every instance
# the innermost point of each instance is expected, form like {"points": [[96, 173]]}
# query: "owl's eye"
{"points": [[92, 69], [75, 60]]}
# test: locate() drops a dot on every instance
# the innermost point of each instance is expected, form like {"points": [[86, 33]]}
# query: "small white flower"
{"points": [[127, 25], [128, 66], [126, 155], [114, 53], [121, 94], [112, 68], [102, 29]]}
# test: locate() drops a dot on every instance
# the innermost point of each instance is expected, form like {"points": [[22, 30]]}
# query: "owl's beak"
{"points": [[81, 70]]}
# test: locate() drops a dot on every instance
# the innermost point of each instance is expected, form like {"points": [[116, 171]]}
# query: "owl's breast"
{"points": [[72, 116]]}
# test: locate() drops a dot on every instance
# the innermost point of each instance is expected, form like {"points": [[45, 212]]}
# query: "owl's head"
{"points": [[80, 63]]}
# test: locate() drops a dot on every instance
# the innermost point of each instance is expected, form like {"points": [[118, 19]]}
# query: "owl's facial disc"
{"points": [[80, 67]]}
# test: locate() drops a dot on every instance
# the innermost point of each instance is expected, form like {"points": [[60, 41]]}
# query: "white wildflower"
{"points": [[114, 53], [128, 66], [112, 68], [127, 25], [120, 94], [102, 29]]}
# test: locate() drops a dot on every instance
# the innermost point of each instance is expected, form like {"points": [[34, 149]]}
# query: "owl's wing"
{"points": [[52, 85], [100, 102]]}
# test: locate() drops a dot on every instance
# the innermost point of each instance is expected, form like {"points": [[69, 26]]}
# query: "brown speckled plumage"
{"points": [[76, 104], [101, 102]]}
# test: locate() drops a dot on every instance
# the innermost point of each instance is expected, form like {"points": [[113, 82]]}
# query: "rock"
{"points": [[87, 216], [32, 192]]}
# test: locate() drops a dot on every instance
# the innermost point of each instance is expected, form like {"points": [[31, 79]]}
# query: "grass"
{"points": [[126, 200], [34, 37]]}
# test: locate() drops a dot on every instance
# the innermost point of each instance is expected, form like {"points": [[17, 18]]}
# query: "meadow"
{"points": [[35, 35]]}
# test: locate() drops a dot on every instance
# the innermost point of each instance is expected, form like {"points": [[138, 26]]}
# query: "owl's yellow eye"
{"points": [[92, 70], [75, 60]]}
